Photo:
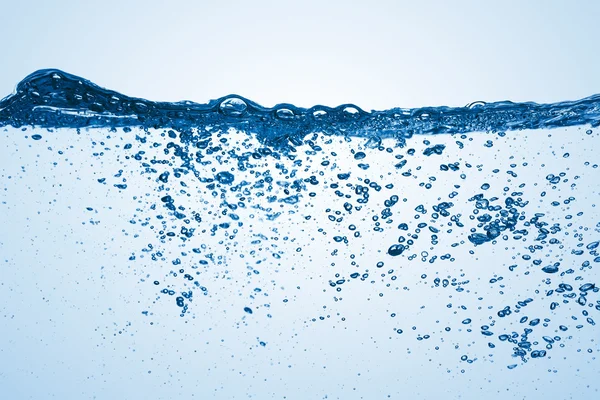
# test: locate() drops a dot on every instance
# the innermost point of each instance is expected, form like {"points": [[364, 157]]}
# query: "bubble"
{"points": [[285, 114], [233, 106], [550, 269], [396, 250], [359, 155], [351, 111], [287, 219], [225, 177], [476, 104]]}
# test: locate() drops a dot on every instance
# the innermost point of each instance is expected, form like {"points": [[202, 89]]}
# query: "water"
{"points": [[229, 250]]}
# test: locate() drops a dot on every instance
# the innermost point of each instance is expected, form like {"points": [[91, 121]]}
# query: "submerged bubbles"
{"points": [[478, 245]]}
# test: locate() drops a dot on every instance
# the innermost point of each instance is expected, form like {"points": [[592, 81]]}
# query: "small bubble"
{"points": [[224, 177]]}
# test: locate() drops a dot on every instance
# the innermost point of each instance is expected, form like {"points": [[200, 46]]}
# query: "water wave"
{"points": [[497, 238], [52, 98]]}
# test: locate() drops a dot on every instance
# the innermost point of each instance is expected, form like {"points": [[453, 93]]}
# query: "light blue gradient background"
{"points": [[377, 55]]}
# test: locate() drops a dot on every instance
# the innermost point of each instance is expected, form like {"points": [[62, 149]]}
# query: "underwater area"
{"points": [[232, 251]]}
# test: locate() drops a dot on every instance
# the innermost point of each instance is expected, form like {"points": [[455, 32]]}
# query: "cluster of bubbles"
{"points": [[362, 198]]}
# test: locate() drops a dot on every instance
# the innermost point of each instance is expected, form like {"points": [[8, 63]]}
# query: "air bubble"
{"points": [[233, 106]]}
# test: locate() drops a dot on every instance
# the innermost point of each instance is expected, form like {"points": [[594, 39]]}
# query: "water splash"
{"points": [[231, 187], [52, 98]]}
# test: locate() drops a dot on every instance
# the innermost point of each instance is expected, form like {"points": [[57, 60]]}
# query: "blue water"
{"points": [[54, 99], [467, 234]]}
